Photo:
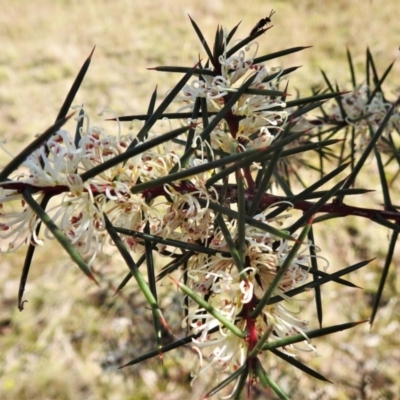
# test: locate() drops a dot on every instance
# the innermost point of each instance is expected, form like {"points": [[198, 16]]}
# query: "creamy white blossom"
{"points": [[364, 113]]}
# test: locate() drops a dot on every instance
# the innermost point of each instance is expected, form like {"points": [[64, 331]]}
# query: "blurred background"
{"points": [[72, 336]]}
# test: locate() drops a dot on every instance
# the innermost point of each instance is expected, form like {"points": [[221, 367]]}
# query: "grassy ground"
{"points": [[69, 340]]}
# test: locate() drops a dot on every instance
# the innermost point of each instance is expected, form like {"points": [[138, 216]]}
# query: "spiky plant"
{"points": [[212, 198]]}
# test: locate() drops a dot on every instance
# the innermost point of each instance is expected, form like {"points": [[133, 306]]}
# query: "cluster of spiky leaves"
{"points": [[369, 125], [225, 181]]}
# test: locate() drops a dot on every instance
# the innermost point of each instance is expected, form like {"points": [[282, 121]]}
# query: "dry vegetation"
{"points": [[71, 337]]}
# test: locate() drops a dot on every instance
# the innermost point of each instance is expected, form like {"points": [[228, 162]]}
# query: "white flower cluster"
{"points": [[258, 117], [363, 114], [217, 278], [56, 168]]}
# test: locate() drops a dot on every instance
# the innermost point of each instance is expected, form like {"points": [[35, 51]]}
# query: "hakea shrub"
{"points": [[213, 196]]}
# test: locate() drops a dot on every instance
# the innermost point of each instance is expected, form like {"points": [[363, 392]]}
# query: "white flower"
{"points": [[55, 168], [81, 220], [363, 115], [258, 113], [17, 221], [235, 297]]}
